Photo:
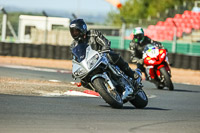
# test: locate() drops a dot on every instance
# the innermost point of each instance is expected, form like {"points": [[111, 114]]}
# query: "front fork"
{"points": [[125, 95], [107, 79]]}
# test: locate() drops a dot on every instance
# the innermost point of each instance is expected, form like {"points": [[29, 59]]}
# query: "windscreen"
{"points": [[79, 52], [151, 50]]}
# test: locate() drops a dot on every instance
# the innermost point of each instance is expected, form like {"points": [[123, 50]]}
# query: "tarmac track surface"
{"points": [[167, 112]]}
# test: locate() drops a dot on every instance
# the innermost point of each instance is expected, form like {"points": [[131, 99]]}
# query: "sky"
{"points": [[73, 6]]}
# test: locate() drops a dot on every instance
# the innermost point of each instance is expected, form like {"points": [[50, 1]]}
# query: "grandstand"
{"points": [[179, 26]]}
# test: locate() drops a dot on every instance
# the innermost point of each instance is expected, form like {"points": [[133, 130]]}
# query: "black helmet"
{"points": [[78, 29]]}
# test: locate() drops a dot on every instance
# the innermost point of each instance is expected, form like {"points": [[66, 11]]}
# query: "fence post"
{"points": [[4, 22], [174, 40], [123, 32]]}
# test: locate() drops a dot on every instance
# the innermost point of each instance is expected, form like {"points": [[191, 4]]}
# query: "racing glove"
{"points": [[140, 61]]}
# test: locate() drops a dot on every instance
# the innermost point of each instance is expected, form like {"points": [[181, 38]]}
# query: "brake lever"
{"points": [[105, 51]]}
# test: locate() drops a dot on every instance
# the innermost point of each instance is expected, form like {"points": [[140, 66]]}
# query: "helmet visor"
{"points": [[75, 33], [138, 37]]}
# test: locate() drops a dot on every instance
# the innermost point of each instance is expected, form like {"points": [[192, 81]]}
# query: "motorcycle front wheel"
{"points": [[140, 101], [167, 79], [112, 97]]}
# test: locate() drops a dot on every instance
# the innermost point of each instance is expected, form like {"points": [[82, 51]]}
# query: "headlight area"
{"points": [[80, 72], [91, 62]]}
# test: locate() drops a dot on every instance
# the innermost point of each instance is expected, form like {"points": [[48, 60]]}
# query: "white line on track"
{"points": [[35, 68], [67, 93], [76, 93], [55, 81]]}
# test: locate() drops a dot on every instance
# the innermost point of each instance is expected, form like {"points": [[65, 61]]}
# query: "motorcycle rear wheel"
{"points": [[168, 83], [111, 97], [140, 101]]}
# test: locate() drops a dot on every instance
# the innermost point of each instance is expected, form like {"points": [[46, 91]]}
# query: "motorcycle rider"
{"points": [[154, 56], [137, 46], [98, 42]]}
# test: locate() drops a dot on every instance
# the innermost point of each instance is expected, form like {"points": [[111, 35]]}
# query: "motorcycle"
{"points": [[157, 67], [93, 67]]}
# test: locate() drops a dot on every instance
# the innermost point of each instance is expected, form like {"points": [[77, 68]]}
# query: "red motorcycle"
{"points": [[157, 67]]}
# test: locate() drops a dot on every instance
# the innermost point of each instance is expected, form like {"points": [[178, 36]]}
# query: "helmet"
{"points": [[138, 33], [78, 29]]}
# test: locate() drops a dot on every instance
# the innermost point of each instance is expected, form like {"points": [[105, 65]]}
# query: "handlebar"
{"points": [[104, 51]]}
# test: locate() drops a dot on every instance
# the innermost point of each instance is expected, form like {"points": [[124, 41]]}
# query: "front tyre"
{"points": [[167, 80], [112, 97], [140, 101]]}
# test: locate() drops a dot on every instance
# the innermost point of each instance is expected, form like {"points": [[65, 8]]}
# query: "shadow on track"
{"points": [[132, 107], [175, 90], [147, 108], [180, 90]]}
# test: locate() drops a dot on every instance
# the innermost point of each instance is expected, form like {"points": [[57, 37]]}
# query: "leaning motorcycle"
{"points": [[108, 80], [157, 67]]}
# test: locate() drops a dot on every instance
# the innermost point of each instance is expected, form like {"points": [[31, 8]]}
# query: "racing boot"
{"points": [[117, 60], [136, 82], [129, 72], [126, 69]]}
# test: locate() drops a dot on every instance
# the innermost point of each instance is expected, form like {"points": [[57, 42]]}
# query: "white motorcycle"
{"points": [[108, 80]]}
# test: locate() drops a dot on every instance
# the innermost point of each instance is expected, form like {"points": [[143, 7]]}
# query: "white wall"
{"points": [[40, 23]]}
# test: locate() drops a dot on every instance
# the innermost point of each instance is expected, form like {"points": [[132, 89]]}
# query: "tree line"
{"points": [[133, 10]]}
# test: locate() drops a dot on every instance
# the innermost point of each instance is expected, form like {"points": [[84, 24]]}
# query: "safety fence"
{"points": [[181, 48], [64, 53]]}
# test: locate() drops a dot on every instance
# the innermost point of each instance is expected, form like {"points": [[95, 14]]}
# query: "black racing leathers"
{"points": [[95, 39], [99, 43], [136, 50]]}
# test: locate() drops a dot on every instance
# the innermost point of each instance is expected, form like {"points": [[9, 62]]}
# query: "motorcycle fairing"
{"points": [[156, 63], [82, 54]]}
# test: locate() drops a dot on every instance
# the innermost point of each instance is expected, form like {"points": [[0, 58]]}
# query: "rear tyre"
{"points": [[140, 100], [167, 79], [112, 97]]}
